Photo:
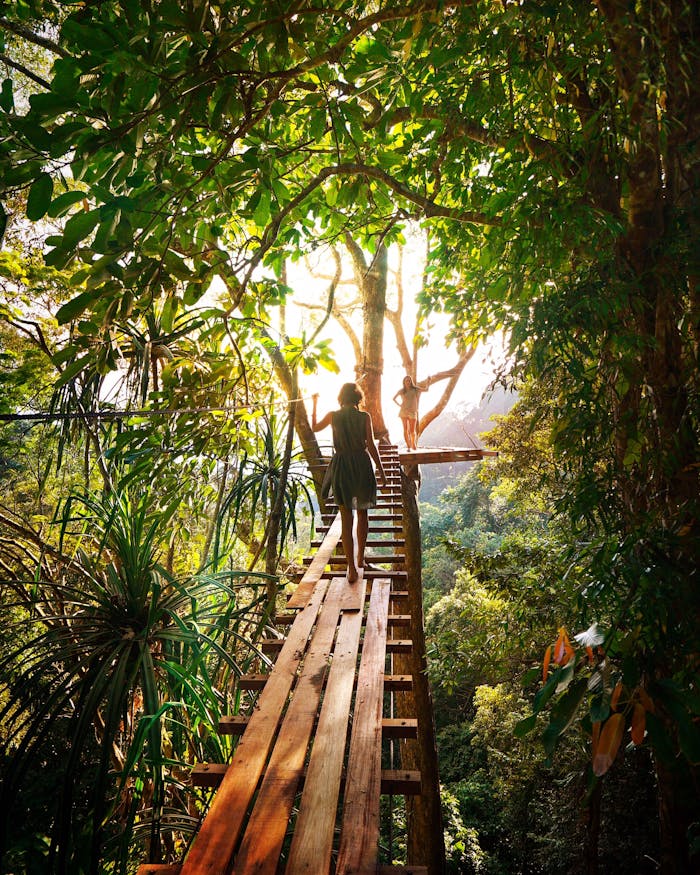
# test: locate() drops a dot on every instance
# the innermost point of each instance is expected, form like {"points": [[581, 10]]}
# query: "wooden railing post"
{"points": [[425, 841]]}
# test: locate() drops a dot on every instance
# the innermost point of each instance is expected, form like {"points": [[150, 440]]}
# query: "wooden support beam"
{"points": [[389, 559], [399, 619], [392, 782], [372, 542], [398, 869], [435, 455], [397, 645], [254, 682], [159, 869], [392, 727]]}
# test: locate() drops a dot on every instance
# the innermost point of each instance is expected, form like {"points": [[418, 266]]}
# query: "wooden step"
{"points": [[394, 682], [285, 619], [389, 559], [392, 727], [375, 526], [399, 782], [398, 869], [371, 542], [399, 645], [159, 869]]}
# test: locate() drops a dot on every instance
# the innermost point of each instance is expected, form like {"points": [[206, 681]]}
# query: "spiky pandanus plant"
{"points": [[130, 666]]}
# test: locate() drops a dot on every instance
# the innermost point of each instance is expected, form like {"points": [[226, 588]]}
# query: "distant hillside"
{"points": [[459, 428]]}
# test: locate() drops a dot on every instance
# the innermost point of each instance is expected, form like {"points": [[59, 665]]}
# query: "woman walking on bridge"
{"points": [[350, 476]]}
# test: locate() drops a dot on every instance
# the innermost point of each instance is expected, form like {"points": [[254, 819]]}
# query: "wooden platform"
{"points": [[432, 455], [302, 791]]}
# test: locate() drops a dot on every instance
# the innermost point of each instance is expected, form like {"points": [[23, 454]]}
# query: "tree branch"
{"points": [[25, 71], [452, 376], [26, 34], [429, 208]]}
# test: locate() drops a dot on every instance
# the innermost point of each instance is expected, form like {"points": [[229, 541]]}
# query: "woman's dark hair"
{"points": [[350, 393]]}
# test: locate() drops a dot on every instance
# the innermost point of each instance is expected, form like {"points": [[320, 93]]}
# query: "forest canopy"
{"points": [[154, 151]]}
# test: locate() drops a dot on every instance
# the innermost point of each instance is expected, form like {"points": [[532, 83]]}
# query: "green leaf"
{"points": [[564, 711], [78, 227], [522, 727], [61, 204], [39, 198], [262, 210], [3, 223], [7, 101], [72, 370], [73, 308]]}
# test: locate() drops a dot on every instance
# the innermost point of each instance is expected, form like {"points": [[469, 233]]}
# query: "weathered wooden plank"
{"points": [[400, 782], [360, 823], [435, 455], [389, 559], [312, 843], [392, 781], [354, 593], [159, 869], [375, 527], [252, 681], [232, 724], [212, 849], [398, 869], [392, 727], [398, 682], [393, 682], [262, 842], [370, 573], [399, 645], [399, 727], [373, 542], [307, 583]]}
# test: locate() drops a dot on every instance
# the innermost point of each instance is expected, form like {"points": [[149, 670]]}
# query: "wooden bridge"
{"points": [[302, 791]]}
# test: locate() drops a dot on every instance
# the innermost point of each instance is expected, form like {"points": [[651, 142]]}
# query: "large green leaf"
{"points": [[39, 198]]}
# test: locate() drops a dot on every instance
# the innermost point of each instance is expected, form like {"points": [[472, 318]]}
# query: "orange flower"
{"points": [[608, 744], [563, 651], [545, 664], [639, 723], [615, 698]]}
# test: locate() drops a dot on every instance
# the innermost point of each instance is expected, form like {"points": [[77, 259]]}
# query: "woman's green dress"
{"points": [[351, 476]]}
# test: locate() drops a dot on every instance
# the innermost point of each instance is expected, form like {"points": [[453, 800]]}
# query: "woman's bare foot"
{"points": [[352, 575]]}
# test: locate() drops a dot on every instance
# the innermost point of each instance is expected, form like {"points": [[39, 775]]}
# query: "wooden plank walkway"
{"points": [[302, 791]]}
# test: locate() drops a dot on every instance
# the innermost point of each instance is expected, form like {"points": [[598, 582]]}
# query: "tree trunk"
{"points": [[275, 521], [307, 437], [372, 281], [678, 805], [425, 841]]}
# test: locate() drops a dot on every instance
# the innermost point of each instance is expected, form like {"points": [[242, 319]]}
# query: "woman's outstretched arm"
{"points": [[318, 425]]}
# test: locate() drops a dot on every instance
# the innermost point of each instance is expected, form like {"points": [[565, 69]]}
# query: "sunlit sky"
{"points": [[310, 281]]}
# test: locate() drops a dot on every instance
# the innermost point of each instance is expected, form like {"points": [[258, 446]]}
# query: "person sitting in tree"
{"points": [[407, 398], [350, 476]]}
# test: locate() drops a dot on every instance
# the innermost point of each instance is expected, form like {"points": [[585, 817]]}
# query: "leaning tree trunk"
{"points": [[307, 437]]}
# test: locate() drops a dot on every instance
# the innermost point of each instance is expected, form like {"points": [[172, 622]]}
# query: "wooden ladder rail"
{"points": [[292, 710]]}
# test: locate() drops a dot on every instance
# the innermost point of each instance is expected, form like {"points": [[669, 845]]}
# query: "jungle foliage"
{"points": [[153, 149]]}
